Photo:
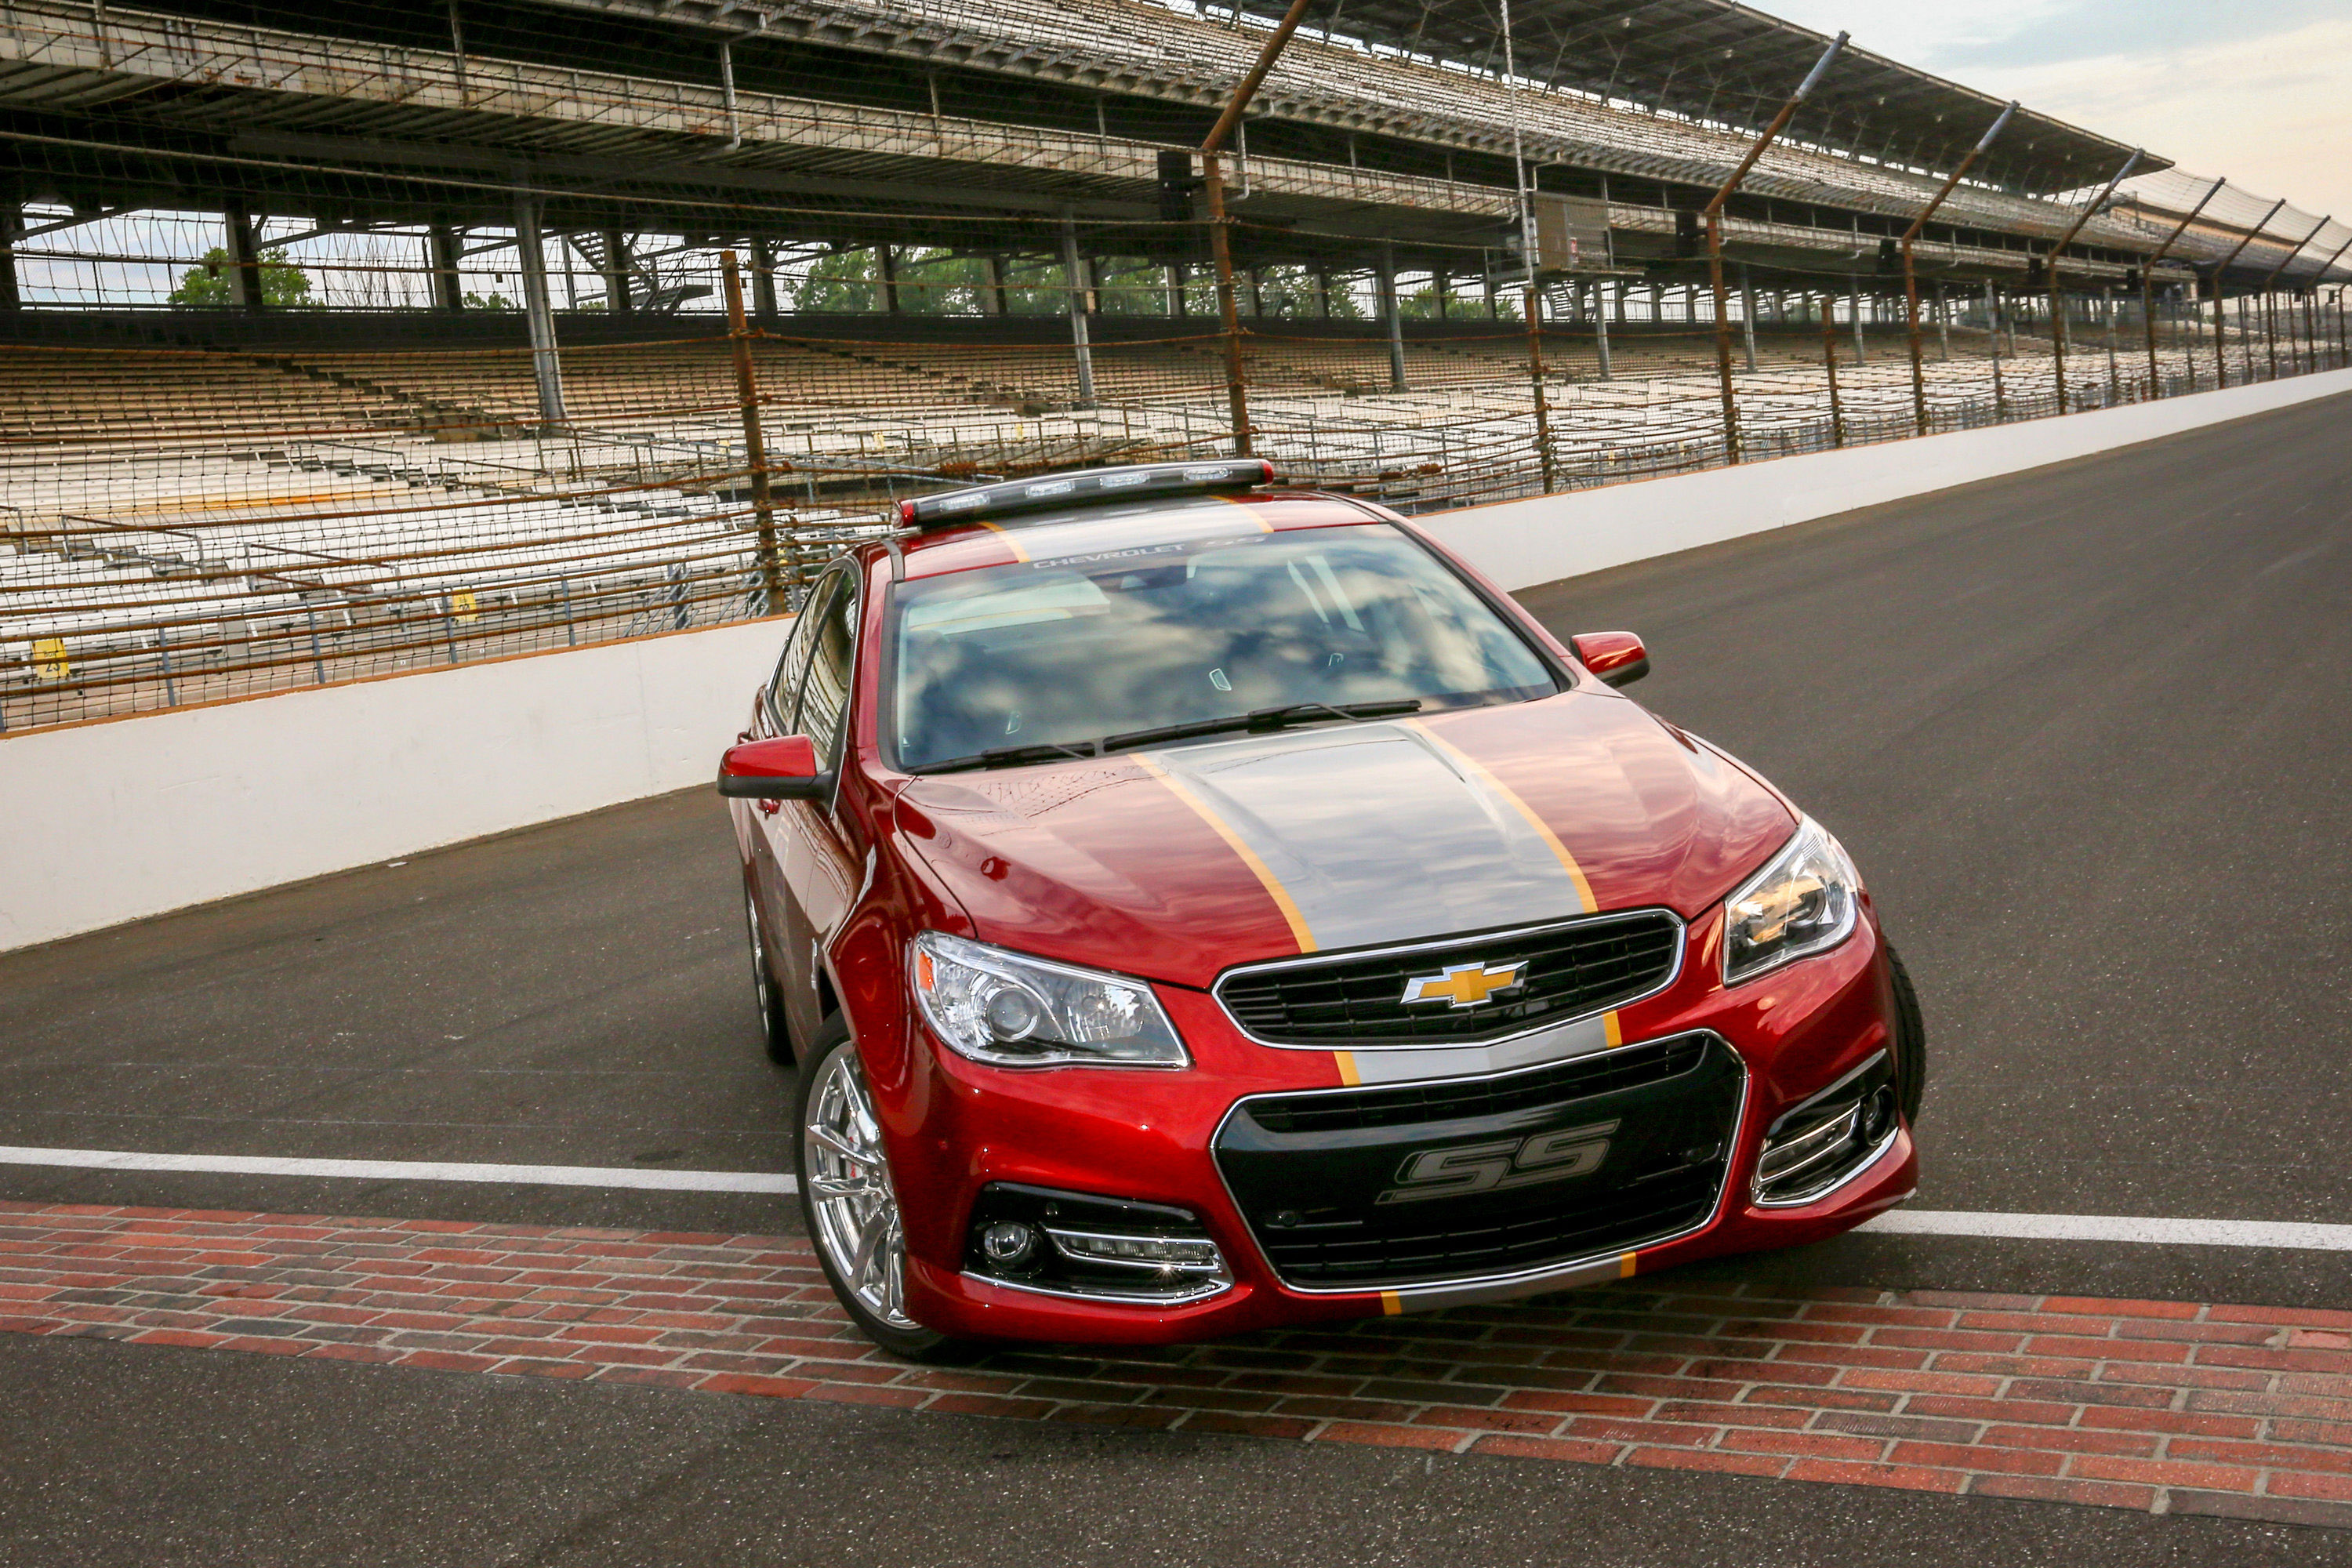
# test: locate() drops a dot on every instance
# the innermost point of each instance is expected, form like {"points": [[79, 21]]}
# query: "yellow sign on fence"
{"points": [[462, 606], [49, 661]]}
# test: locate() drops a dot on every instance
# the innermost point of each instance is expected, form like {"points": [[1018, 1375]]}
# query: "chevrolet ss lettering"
{"points": [[1194, 906], [1513, 1163]]}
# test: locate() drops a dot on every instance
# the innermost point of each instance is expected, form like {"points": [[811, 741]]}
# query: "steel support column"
{"points": [[442, 255], [532, 259], [1533, 299], [1828, 364], [245, 290], [1073, 274], [1748, 315], [763, 283], [1992, 334], [1601, 324], [618, 298], [1392, 316], [12, 223]]}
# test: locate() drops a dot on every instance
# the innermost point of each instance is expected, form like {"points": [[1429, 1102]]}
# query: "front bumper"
{"points": [[1169, 1139]]}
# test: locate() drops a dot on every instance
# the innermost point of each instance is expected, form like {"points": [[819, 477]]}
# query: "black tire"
{"points": [[775, 1029], [1910, 1039], [905, 1338]]}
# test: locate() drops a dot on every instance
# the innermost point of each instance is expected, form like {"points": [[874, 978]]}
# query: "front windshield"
{"points": [[1062, 652]]}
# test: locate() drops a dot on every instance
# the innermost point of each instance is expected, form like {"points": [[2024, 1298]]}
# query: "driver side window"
{"points": [[784, 691], [833, 646]]}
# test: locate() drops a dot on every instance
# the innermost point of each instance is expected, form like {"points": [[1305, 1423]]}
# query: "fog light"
{"points": [[1007, 1242], [1158, 1252], [1878, 1116]]}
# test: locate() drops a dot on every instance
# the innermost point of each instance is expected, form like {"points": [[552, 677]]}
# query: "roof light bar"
{"points": [[1089, 487]]}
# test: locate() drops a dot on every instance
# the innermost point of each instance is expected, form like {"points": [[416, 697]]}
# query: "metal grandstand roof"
{"points": [[1714, 59], [1708, 60]]}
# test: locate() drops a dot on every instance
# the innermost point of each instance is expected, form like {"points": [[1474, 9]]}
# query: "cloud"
{"points": [[2086, 30], [2269, 111], [2256, 92]]}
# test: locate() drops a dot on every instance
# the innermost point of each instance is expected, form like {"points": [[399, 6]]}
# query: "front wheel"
{"points": [[848, 1202]]}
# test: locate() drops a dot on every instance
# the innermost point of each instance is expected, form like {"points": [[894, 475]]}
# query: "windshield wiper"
{"points": [[1261, 720], [1008, 757]]}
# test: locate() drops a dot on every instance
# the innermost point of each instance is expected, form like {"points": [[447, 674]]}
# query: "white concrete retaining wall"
{"points": [[111, 821], [108, 821], [1520, 543]]}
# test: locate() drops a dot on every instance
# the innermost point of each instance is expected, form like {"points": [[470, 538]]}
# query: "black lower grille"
{"points": [[1561, 971], [1590, 1167]]}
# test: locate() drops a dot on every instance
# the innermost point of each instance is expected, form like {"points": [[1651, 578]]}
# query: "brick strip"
{"points": [[2165, 1406]]}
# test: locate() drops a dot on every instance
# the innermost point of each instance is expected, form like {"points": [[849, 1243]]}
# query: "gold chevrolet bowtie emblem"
{"points": [[1463, 984]]}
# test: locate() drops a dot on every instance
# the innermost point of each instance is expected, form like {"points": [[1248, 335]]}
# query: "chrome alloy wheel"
{"points": [[850, 1196]]}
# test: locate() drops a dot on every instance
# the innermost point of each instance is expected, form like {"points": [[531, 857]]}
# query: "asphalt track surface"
{"points": [[2083, 729]]}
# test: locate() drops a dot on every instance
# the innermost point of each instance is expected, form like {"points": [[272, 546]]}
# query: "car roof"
{"points": [[1095, 531]]}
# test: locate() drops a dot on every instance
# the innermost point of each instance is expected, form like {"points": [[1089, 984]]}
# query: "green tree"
{"points": [[209, 283], [493, 301]]}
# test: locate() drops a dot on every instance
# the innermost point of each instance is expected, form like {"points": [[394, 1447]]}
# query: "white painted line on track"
{"points": [[2116, 1227], [410, 1171], [1895, 1221]]}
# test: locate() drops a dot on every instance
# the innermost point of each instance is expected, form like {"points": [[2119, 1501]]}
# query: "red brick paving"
{"points": [[2166, 1406]]}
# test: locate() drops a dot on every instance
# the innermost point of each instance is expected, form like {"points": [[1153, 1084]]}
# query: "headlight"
{"points": [[1009, 1010], [1805, 901]]}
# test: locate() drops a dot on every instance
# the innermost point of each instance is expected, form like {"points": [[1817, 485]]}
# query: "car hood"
{"points": [[1180, 862]]}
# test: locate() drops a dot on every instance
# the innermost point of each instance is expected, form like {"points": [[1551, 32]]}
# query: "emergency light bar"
{"points": [[1089, 487]]}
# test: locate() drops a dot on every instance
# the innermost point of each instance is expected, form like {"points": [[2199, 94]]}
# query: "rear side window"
{"points": [[833, 647]]}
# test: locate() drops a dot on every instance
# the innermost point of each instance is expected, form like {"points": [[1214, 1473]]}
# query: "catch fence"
{"points": [[184, 524]]}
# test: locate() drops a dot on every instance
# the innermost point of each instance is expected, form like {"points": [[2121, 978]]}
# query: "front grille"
{"points": [[1506, 1176], [1566, 970], [1406, 1104]]}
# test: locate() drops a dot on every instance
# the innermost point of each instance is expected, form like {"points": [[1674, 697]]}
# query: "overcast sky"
{"points": [[2259, 92]]}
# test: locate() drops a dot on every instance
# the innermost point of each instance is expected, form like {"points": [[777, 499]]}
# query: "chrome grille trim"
{"points": [[1455, 942]]}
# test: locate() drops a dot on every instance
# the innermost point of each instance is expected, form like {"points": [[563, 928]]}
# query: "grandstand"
{"points": [[339, 341]]}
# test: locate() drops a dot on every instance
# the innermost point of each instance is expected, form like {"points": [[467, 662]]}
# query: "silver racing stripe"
{"points": [[1378, 835]]}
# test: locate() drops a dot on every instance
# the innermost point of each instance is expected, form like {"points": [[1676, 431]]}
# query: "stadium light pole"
{"points": [[1221, 245], [2220, 309], [1713, 214], [1911, 276], [2057, 301], [2146, 310]]}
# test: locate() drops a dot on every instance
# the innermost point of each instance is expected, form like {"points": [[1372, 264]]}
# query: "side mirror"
{"points": [[1617, 658], [785, 768]]}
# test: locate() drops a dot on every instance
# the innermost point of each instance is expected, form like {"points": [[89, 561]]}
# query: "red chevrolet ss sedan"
{"points": [[1195, 906]]}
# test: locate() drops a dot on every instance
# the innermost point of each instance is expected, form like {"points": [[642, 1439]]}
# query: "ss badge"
{"points": [[1507, 1163]]}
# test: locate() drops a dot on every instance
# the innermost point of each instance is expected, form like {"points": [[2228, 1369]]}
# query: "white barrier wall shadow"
{"points": [[1546, 538], [111, 821]]}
